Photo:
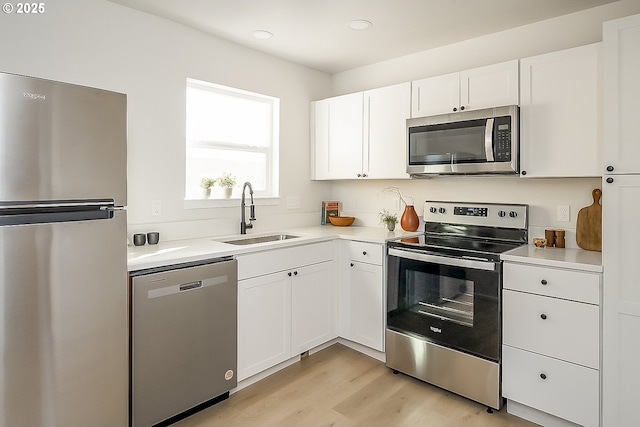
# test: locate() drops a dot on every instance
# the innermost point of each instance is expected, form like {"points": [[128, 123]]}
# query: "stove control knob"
{"points": [[502, 214], [513, 214], [433, 210], [442, 210]]}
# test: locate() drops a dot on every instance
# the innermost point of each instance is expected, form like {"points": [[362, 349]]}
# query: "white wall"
{"points": [[101, 44], [364, 199]]}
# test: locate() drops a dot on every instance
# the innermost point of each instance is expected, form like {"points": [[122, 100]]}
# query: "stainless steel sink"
{"points": [[260, 239]]}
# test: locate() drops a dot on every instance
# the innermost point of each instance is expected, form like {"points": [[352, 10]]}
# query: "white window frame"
{"points": [[271, 195]]}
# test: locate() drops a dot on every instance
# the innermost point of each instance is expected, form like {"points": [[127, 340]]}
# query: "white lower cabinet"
{"points": [[286, 304], [551, 342], [362, 311]]}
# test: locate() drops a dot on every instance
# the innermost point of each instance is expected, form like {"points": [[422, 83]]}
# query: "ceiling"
{"points": [[316, 33]]}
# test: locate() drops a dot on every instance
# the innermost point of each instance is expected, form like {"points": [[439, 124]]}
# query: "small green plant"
{"points": [[387, 217], [227, 180], [207, 183]]}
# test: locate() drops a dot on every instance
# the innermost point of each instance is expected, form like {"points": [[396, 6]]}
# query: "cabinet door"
{"points": [[264, 323], [621, 39], [320, 139], [491, 86], [345, 136], [435, 95], [385, 150], [560, 114], [621, 300], [313, 306], [367, 305]]}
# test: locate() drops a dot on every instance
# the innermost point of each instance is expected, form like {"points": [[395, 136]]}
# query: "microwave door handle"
{"points": [[488, 140]]}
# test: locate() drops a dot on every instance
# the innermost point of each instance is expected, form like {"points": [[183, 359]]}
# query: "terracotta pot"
{"points": [[409, 220]]}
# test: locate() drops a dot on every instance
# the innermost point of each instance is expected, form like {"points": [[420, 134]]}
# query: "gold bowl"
{"points": [[342, 221]]}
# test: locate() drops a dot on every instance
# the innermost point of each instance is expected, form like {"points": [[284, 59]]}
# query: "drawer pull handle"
{"points": [[543, 376], [543, 281], [543, 316]]}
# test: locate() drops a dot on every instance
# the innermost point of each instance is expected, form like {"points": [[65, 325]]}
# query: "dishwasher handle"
{"points": [[190, 286]]}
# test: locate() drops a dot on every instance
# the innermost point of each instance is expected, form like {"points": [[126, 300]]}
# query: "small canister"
{"points": [[559, 239], [549, 234]]}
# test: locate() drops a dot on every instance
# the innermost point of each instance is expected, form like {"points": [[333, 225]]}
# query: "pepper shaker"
{"points": [[559, 238], [549, 234]]}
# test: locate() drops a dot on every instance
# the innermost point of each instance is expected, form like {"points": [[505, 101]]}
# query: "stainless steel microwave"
{"points": [[468, 142]]}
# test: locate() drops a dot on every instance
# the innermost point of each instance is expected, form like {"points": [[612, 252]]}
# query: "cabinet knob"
{"points": [[543, 316], [455, 109], [543, 376], [543, 281], [609, 168], [364, 175], [609, 180], [523, 172], [351, 264], [359, 175], [364, 252], [289, 274], [462, 108], [295, 273]]}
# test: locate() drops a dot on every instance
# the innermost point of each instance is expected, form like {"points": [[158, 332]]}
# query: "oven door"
{"points": [[454, 302]]}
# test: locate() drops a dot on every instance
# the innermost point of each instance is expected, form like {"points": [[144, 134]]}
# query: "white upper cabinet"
{"points": [[483, 87], [622, 96], [435, 95], [361, 135], [560, 114], [338, 136], [386, 111]]}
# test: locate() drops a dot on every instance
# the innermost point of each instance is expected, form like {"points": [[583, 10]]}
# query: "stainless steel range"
{"points": [[444, 297]]}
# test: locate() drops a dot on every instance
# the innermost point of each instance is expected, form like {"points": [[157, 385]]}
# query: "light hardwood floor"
{"points": [[339, 386]]}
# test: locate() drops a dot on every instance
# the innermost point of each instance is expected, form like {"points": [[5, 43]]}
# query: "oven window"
{"points": [[450, 143], [442, 297], [456, 307]]}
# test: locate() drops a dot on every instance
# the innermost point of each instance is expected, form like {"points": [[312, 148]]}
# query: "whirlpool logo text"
{"points": [[34, 96]]}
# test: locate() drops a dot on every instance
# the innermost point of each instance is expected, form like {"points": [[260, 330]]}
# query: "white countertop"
{"points": [[188, 250], [578, 259]]}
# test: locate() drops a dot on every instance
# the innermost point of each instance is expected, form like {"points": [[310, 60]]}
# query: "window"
{"points": [[230, 131]]}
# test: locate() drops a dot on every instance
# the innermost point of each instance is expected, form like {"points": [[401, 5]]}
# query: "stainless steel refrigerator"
{"points": [[63, 272]]}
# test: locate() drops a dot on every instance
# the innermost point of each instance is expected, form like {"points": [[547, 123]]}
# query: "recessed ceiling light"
{"points": [[262, 34], [360, 24]]}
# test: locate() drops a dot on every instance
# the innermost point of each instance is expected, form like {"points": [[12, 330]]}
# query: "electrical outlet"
{"points": [[156, 207], [563, 213], [293, 202], [396, 204]]}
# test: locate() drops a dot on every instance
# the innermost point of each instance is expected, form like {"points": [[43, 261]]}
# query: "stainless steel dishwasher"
{"points": [[183, 339]]}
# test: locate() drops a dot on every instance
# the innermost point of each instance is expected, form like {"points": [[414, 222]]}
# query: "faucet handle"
{"points": [[253, 213]]}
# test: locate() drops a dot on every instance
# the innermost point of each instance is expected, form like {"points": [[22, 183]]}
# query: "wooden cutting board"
{"points": [[589, 224]]}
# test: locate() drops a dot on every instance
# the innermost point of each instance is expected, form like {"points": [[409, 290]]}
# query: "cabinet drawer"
{"points": [[568, 284], [564, 329], [273, 260], [370, 253], [568, 391]]}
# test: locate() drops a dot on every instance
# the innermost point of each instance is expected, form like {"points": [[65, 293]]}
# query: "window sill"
{"points": [[227, 203]]}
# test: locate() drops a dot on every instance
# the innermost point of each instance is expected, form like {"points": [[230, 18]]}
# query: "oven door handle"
{"points": [[435, 259]]}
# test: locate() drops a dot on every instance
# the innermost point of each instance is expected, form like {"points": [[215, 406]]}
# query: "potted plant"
{"points": [[206, 185], [388, 219], [227, 182]]}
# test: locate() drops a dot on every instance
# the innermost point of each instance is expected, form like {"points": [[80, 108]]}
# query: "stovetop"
{"points": [[472, 230]]}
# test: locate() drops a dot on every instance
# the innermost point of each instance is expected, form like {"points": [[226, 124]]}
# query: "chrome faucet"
{"points": [[252, 217]]}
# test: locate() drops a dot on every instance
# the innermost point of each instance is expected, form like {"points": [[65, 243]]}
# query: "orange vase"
{"points": [[409, 220]]}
